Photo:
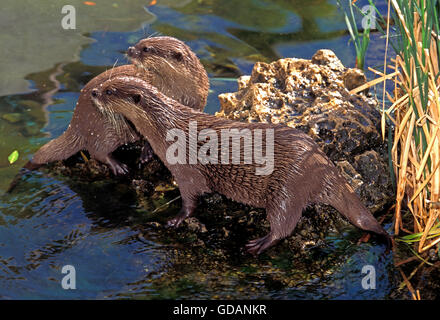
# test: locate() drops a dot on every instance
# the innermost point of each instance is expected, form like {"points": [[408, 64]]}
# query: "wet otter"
{"points": [[301, 173], [166, 63]]}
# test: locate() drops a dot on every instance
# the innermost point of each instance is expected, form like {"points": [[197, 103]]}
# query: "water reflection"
{"points": [[46, 224]]}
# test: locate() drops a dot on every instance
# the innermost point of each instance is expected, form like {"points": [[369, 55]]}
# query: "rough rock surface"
{"points": [[313, 96]]}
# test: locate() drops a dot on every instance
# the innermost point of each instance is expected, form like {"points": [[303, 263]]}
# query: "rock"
{"points": [[154, 224], [313, 96], [328, 58], [350, 173], [243, 82], [376, 191], [194, 225], [354, 78]]}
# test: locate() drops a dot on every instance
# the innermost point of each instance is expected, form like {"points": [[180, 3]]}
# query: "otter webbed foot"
{"points": [[257, 246], [147, 153], [182, 215], [176, 221], [118, 168]]}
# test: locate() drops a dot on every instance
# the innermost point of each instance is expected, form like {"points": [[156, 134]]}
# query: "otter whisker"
{"points": [[111, 71], [168, 63]]}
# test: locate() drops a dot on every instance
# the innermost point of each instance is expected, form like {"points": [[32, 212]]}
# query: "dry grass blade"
{"points": [[416, 115], [427, 153], [424, 183], [431, 244], [428, 227], [373, 83], [408, 284]]}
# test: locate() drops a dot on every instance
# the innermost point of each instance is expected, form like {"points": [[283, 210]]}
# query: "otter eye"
{"points": [[108, 92], [136, 98], [147, 49], [178, 56]]}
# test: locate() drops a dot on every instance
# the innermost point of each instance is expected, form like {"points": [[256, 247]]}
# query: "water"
{"points": [[49, 222]]}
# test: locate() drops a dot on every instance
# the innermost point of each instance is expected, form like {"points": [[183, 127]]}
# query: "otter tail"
{"points": [[60, 148], [340, 195]]}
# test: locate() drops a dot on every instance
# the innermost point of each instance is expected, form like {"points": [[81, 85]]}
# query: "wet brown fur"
{"points": [[302, 173], [168, 64]]}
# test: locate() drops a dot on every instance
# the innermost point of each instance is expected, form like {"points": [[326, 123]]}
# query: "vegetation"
{"points": [[415, 117], [360, 38]]}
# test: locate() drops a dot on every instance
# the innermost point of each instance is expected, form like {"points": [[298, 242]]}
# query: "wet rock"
{"points": [[376, 190], [313, 96], [194, 225], [154, 224]]}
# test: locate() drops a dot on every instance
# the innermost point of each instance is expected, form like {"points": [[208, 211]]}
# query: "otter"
{"points": [[301, 173], [165, 62]]}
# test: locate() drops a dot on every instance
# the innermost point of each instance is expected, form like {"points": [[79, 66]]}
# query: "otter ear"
{"points": [[178, 55], [136, 98]]}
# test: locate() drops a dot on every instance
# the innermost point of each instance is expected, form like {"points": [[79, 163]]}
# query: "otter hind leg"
{"points": [[185, 212], [189, 191], [189, 204], [283, 219]]}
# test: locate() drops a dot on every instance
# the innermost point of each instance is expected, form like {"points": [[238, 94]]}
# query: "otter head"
{"points": [[119, 91], [118, 99], [173, 69]]}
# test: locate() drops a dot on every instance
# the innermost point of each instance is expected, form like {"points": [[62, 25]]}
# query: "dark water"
{"points": [[49, 222]]}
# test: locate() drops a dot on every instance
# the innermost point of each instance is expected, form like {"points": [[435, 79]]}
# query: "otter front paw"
{"points": [[121, 170], [117, 167], [257, 246], [175, 222]]}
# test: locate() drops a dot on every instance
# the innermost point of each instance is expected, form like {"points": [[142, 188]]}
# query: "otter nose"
{"points": [[95, 93], [131, 51]]}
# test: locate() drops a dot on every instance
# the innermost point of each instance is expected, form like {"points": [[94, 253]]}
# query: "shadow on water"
{"points": [[101, 227]]}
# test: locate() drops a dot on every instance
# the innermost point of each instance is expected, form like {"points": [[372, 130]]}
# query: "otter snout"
{"points": [[95, 93], [132, 52]]}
